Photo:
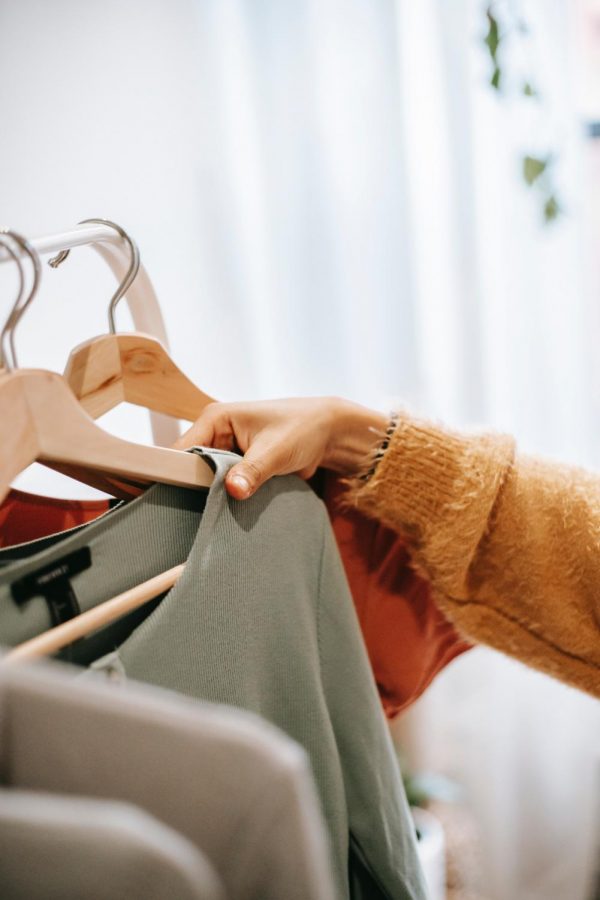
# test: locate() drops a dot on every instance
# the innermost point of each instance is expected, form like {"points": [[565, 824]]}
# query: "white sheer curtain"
{"points": [[509, 315], [306, 180], [327, 197]]}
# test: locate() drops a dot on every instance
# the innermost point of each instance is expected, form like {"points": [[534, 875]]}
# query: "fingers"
{"points": [[240, 484], [220, 426], [277, 437], [263, 459], [211, 429]]}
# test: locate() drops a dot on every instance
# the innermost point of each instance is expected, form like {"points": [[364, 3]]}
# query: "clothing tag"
{"points": [[53, 583]]}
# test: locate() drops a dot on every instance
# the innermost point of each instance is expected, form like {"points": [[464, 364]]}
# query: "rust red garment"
{"points": [[27, 517], [408, 639]]}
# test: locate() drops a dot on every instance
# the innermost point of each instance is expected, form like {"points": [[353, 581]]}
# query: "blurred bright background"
{"points": [[330, 198]]}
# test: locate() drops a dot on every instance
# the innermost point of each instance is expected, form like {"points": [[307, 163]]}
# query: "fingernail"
{"points": [[241, 483]]}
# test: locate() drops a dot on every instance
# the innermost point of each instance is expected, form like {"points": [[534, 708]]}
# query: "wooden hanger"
{"points": [[135, 368], [91, 620], [43, 422]]}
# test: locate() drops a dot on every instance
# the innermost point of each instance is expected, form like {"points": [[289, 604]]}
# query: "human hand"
{"points": [[278, 437]]}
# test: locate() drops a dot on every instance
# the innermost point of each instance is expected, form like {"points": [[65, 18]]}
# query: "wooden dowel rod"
{"points": [[62, 635]]}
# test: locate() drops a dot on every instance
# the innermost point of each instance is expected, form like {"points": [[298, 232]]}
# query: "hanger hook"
{"points": [[19, 306], [130, 275], [5, 362]]}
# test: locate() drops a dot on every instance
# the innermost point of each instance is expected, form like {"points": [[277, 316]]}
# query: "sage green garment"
{"points": [[261, 618]]}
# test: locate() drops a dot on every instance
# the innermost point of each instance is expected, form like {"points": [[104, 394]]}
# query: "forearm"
{"points": [[511, 544], [356, 435]]}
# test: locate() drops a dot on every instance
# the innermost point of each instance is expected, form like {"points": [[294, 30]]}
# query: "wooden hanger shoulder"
{"points": [[47, 424], [133, 368], [19, 438]]}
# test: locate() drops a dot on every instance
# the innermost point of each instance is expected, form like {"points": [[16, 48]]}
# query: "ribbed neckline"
{"points": [[46, 550]]}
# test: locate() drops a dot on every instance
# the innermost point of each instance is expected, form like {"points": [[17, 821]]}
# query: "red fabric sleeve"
{"points": [[408, 638]]}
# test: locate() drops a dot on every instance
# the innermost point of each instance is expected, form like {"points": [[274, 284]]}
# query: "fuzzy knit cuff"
{"points": [[437, 488]]}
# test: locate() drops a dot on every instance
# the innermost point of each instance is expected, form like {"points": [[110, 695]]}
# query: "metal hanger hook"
{"points": [[7, 335], [5, 362], [130, 275]]}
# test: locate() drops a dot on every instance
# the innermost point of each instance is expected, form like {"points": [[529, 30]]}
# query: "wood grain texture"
{"points": [[133, 368], [43, 422]]}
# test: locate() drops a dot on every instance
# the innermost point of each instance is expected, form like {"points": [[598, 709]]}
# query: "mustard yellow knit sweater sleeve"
{"points": [[510, 543]]}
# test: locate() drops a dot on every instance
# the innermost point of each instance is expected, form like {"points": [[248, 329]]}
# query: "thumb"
{"points": [[260, 462]]}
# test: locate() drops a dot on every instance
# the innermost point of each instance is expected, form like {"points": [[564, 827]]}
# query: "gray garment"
{"points": [[70, 848], [236, 787], [262, 618]]}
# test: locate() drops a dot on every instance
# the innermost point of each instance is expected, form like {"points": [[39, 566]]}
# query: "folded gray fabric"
{"points": [[236, 787], [74, 848]]}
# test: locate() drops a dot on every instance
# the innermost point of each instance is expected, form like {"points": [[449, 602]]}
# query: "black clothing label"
{"points": [[53, 583]]}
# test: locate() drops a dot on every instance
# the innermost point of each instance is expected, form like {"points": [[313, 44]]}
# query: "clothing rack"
{"points": [[141, 296]]}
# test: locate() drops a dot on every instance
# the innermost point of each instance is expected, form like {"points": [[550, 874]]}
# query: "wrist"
{"points": [[356, 433]]}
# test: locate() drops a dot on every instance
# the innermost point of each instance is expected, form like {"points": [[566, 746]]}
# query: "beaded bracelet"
{"points": [[380, 450]]}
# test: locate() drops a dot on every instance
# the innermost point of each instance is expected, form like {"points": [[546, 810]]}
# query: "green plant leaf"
{"points": [[533, 168], [528, 90], [492, 38], [551, 209], [495, 79], [415, 795]]}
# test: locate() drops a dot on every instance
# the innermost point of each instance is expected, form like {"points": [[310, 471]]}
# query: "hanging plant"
{"points": [[536, 170]]}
